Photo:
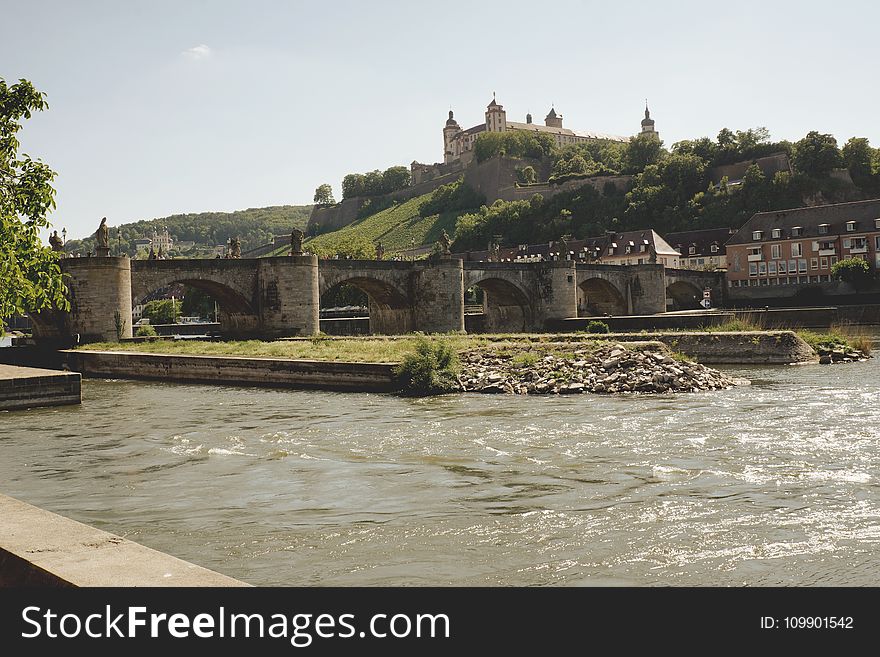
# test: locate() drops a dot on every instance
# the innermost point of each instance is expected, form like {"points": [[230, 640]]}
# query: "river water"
{"points": [[770, 484]]}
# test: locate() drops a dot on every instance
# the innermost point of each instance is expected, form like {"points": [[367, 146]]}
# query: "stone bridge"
{"points": [[270, 297], [684, 288]]}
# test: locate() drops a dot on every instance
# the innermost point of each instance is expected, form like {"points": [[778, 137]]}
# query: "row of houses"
{"points": [[772, 249]]}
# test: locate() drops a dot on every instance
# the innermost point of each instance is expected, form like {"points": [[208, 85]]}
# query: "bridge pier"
{"points": [[288, 295], [438, 297], [99, 291]]}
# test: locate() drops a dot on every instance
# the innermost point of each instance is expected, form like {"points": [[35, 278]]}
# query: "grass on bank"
{"points": [[373, 349], [839, 335]]}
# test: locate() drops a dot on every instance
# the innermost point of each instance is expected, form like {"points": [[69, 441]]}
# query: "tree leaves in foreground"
{"points": [[30, 276]]}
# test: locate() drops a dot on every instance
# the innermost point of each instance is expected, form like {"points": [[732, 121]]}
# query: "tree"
{"points": [[854, 271], [816, 154], [641, 151], [163, 311], [353, 185], [395, 178], [324, 195], [30, 276], [858, 157]]}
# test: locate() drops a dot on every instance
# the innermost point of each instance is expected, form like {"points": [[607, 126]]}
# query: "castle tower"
{"points": [[553, 120], [450, 130], [528, 119], [496, 117], [648, 124]]}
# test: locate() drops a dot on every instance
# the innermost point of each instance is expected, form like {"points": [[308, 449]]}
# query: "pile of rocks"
{"points": [[612, 369], [840, 354]]}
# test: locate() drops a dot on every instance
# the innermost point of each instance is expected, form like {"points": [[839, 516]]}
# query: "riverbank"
{"points": [[40, 548], [29, 387]]}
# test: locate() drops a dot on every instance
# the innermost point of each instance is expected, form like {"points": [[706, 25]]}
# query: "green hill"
{"points": [[397, 228], [254, 227]]}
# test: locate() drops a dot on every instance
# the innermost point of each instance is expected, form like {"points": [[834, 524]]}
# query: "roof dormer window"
{"points": [[714, 248], [692, 250], [777, 233], [850, 226], [797, 231], [757, 235], [823, 229]]}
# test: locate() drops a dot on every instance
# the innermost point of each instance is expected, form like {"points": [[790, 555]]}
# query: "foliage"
{"points": [[254, 227], [324, 195], [641, 151], [431, 370], [30, 277], [598, 327], [344, 295], [854, 271], [513, 143], [145, 331], [450, 198], [163, 311], [859, 158], [375, 183], [197, 303], [118, 324], [816, 154], [397, 227]]}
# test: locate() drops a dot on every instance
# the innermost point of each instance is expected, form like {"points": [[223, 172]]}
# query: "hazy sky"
{"points": [[158, 108]]}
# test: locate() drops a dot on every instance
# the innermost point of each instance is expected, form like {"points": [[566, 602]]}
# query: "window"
{"points": [[850, 226], [796, 250], [823, 229], [876, 223], [877, 242], [814, 263], [823, 262], [802, 267], [692, 250], [797, 231], [782, 269], [776, 233], [753, 269], [775, 251], [833, 260], [792, 266], [771, 268], [714, 248], [846, 243], [762, 268], [757, 235]]}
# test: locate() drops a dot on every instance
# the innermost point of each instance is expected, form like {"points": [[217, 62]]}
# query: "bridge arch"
{"points": [[683, 295], [597, 296], [390, 308], [506, 306]]}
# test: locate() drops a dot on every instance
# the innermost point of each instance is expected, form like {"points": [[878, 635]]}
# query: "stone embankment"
{"points": [[611, 369], [840, 354]]}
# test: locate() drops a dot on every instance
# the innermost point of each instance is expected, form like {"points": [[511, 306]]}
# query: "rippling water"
{"points": [[770, 484]]}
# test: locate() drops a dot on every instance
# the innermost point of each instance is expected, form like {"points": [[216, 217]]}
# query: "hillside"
{"points": [[254, 226], [397, 228]]}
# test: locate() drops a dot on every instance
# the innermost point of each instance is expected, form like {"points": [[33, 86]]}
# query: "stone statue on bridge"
{"points": [[296, 242], [235, 248], [102, 236], [56, 242], [444, 242], [380, 251]]}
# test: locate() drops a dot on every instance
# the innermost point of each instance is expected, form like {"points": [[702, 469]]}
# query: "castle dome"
{"points": [[647, 121]]}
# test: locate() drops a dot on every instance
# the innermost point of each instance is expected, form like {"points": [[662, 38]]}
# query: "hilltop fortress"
{"points": [[457, 143], [495, 178]]}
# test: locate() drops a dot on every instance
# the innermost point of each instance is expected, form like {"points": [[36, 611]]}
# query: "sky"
{"points": [[158, 108]]}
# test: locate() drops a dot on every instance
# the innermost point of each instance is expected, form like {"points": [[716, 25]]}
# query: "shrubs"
{"points": [[431, 370], [598, 327], [145, 331], [451, 198]]}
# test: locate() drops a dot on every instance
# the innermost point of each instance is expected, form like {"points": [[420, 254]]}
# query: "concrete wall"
{"points": [[229, 370], [39, 548], [740, 348], [28, 387]]}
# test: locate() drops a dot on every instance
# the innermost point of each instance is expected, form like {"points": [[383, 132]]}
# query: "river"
{"points": [[770, 484]]}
